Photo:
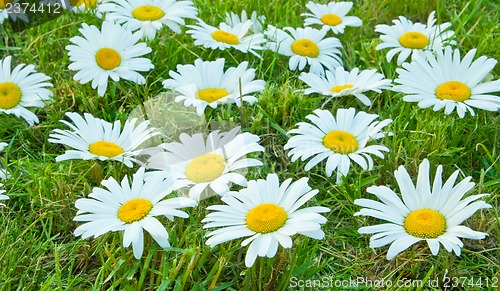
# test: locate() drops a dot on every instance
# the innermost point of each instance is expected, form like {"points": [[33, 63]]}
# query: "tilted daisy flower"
{"points": [[337, 139], [3, 197], [3, 173], [131, 208], [406, 37], [433, 215], [227, 36], [207, 84], [86, 6], [112, 52], [149, 16], [208, 167], [331, 16], [344, 83], [445, 81], [306, 46], [93, 138], [21, 88], [9, 9], [257, 20], [268, 213]]}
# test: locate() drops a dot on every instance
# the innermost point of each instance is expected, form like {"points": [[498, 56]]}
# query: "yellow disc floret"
{"points": [[89, 4], [205, 168], [453, 90], [147, 13], [108, 58], [225, 37], [266, 218], [10, 95], [211, 94], [414, 40], [306, 48], [105, 149], [331, 19], [425, 223], [341, 142], [134, 210], [338, 88], [3, 3]]}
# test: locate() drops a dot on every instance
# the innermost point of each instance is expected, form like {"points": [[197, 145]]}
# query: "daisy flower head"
{"points": [[93, 138], [85, 6], [306, 46], [344, 83], [205, 168], [444, 80], [207, 84], [331, 16], [3, 197], [433, 215], [9, 8], [337, 139], [21, 88], [149, 16], [406, 37], [112, 52], [131, 208], [227, 36], [3, 173], [233, 19], [268, 213]]}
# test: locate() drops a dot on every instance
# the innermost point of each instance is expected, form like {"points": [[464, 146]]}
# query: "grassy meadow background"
{"points": [[39, 251]]}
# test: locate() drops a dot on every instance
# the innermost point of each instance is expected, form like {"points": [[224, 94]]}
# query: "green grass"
{"points": [[40, 252]]}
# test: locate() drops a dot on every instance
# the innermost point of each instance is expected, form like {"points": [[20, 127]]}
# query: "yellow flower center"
{"points": [[3, 3], [339, 88], [414, 40], [306, 48], [266, 218], [89, 4], [10, 95], [225, 37], [211, 94], [453, 90], [205, 168], [331, 19], [105, 149], [341, 142], [134, 210], [108, 58], [425, 223], [147, 12]]}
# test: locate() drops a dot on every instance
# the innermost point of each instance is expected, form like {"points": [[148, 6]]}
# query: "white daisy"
{"points": [[14, 10], [207, 84], [4, 174], [112, 52], [445, 81], [433, 215], [306, 46], [149, 16], [86, 6], [228, 36], [343, 83], [130, 207], [331, 16], [339, 140], [257, 20], [3, 197], [268, 213], [406, 37], [22, 87], [208, 168], [93, 138]]}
